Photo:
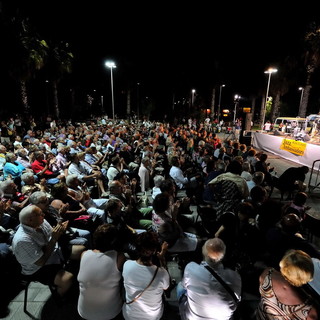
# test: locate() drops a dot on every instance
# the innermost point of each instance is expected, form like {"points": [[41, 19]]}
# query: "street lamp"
{"points": [[111, 65], [192, 97], [102, 104], [302, 90], [269, 71], [236, 101], [223, 85]]}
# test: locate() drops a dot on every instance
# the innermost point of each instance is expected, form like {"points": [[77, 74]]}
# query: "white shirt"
{"points": [[177, 175], [99, 282], [150, 305], [27, 246], [206, 297], [144, 178]]}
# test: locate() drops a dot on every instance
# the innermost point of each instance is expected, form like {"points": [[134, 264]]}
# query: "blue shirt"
{"points": [[14, 169]]}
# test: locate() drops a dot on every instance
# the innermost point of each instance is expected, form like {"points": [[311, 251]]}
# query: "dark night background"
{"points": [[171, 48]]}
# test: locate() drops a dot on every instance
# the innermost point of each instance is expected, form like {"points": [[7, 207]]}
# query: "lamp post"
{"points": [[302, 90], [270, 71], [192, 97], [236, 101], [111, 65], [223, 85], [102, 104]]}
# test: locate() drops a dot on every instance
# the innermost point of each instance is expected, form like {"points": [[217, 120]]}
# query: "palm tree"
{"points": [[312, 62], [25, 55], [59, 63]]}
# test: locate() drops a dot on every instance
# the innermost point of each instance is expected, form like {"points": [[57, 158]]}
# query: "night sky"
{"points": [[173, 47]]}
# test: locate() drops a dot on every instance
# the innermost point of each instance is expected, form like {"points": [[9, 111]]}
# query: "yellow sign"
{"points": [[293, 146]]}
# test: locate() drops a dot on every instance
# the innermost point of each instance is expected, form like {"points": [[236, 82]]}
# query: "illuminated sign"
{"points": [[246, 110]]}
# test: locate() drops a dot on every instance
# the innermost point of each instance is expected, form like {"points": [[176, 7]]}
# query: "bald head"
{"points": [[30, 216], [213, 250]]}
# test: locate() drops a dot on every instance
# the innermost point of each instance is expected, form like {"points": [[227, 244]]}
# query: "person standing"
{"points": [[267, 126]]}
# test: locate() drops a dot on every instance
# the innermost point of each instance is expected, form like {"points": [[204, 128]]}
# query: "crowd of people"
{"points": [[75, 213]]}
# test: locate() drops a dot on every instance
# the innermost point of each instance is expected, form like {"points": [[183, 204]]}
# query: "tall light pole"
{"points": [[302, 90], [192, 97], [236, 101], [111, 65], [270, 71], [223, 85], [102, 104]]}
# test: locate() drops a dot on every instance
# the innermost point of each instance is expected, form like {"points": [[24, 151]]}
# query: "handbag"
{"points": [[140, 294], [231, 292]]}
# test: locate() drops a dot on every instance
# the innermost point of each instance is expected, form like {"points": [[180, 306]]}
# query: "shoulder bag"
{"points": [[140, 294], [231, 292]]}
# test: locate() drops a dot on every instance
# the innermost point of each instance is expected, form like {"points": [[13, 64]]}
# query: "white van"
{"points": [[288, 124]]}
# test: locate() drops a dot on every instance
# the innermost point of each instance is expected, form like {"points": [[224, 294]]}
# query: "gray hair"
{"points": [[26, 176], [37, 197], [22, 152], [10, 156], [145, 160], [71, 178], [157, 180], [4, 185], [213, 251]]}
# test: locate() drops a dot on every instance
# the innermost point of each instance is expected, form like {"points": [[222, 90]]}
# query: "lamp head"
{"points": [[271, 70], [110, 64]]}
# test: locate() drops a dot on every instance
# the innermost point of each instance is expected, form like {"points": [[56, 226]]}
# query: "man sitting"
{"points": [[36, 249], [200, 294]]}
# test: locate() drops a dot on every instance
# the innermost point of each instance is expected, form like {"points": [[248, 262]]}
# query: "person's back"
{"points": [[99, 277], [203, 296], [288, 178]]}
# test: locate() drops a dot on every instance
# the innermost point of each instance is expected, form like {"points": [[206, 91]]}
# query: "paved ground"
{"points": [[41, 305]]}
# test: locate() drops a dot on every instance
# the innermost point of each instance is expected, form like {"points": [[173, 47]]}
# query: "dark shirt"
{"points": [[288, 178], [208, 194]]}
